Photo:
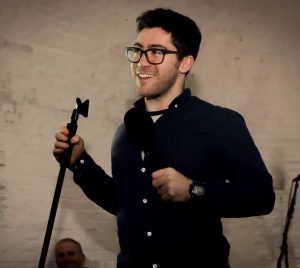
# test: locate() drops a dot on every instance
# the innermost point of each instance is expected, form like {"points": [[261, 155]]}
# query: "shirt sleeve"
{"points": [[95, 183], [247, 190]]}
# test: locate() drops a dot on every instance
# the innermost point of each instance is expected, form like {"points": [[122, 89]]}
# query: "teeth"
{"points": [[145, 75]]}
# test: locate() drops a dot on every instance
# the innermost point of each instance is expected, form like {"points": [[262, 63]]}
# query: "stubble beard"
{"points": [[157, 89]]}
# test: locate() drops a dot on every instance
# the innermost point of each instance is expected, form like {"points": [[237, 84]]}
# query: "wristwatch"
{"points": [[196, 190]]}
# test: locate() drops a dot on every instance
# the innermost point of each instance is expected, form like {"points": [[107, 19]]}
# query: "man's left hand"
{"points": [[171, 185]]}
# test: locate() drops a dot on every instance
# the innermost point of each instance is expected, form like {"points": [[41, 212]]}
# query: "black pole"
{"points": [[284, 244], [52, 217], [82, 108]]}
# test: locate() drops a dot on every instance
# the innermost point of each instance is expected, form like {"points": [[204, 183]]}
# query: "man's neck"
{"points": [[162, 102]]}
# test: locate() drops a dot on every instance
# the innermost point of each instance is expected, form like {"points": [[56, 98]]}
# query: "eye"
{"points": [[135, 49], [60, 255], [156, 51]]}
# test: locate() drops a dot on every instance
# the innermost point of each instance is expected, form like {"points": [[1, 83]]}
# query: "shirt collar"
{"points": [[186, 94]]}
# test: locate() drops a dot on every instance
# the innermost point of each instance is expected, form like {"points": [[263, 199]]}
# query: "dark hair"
{"points": [[186, 35]]}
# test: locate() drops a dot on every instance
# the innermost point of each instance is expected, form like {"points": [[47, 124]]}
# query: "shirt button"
{"points": [[81, 161], [154, 265], [143, 169], [149, 234], [145, 201], [176, 105]]}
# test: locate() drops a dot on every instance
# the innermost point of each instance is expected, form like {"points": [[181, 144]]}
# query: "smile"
{"points": [[143, 75]]}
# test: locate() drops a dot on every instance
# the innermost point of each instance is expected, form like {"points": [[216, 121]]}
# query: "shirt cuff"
{"points": [[81, 166]]}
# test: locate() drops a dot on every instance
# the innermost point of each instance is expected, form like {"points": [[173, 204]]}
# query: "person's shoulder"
{"points": [[215, 111]]}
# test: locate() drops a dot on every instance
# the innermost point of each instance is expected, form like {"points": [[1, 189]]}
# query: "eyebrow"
{"points": [[151, 46]]}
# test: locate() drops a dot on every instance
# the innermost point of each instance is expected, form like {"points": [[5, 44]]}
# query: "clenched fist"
{"points": [[171, 185]]}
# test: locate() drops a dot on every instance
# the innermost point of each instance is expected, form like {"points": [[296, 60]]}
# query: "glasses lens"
{"points": [[133, 54], [155, 56]]}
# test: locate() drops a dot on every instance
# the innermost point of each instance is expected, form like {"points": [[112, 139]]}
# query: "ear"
{"points": [[186, 64]]}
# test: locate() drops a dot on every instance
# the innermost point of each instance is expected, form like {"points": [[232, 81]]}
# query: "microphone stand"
{"points": [[81, 108], [284, 245]]}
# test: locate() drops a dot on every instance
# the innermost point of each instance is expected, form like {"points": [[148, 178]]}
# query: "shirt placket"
{"points": [[148, 232]]}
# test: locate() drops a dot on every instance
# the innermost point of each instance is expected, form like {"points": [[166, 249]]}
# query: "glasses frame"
{"points": [[145, 52]]}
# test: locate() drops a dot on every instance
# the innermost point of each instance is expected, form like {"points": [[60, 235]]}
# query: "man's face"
{"points": [[155, 80], [68, 255]]}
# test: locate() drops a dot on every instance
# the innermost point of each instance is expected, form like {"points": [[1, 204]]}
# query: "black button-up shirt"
{"points": [[202, 141]]}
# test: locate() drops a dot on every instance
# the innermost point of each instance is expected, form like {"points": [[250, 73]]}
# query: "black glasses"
{"points": [[153, 55]]}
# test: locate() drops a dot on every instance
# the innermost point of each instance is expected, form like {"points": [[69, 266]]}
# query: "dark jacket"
{"points": [[202, 141]]}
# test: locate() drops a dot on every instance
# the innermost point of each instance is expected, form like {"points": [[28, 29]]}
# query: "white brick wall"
{"points": [[53, 51]]}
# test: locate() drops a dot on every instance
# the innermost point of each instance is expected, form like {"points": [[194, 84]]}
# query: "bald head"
{"points": [[69, 254]]}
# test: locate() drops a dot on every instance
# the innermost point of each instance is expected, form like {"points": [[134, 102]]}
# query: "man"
{"points": [[179, 164], [68, 254]]}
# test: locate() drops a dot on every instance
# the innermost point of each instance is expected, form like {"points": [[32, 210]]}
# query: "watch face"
{"points": [[198, 190]]}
